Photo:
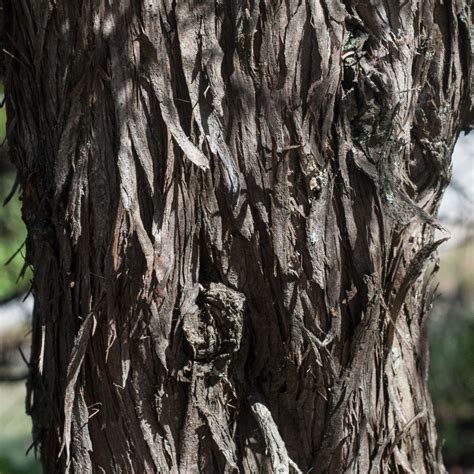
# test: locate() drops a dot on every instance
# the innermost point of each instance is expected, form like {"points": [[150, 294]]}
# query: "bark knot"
{"points": [[215, 330]]}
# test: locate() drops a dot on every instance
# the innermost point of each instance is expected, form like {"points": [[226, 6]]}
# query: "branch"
{"points": [[6, 377]]}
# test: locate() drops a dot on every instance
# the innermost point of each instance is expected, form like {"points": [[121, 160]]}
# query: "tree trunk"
{"points": [[231, 209]]}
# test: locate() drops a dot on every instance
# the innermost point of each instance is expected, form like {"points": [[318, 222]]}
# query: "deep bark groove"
{"points": [[230, 208]]}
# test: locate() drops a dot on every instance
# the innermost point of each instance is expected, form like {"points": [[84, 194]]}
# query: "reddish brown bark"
{"points": [[230, 208]]}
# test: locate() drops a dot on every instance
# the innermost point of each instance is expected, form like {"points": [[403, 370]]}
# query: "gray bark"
{"points": [[231, 209]]}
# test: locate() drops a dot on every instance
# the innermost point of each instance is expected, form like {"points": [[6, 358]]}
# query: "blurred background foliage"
{"points": [[451, 336], [12, 229], [15, 425], [451, 326]]}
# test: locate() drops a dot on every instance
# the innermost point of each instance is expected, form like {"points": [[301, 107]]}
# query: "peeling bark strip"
{"points": [[230, 208]]}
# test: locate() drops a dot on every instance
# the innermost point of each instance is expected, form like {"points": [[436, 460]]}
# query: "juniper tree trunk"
{"points": [[231, 209]]}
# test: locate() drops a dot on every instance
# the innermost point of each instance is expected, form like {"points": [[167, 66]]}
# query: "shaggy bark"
{"points": [[230, 208]]}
